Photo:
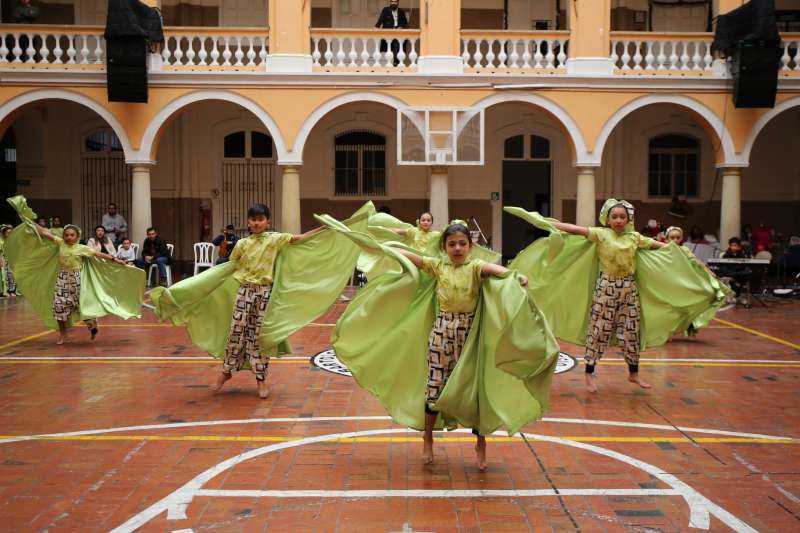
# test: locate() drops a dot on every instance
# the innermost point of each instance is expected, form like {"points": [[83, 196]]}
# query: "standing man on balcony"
{"points": [[392, 17], [24, 12]]}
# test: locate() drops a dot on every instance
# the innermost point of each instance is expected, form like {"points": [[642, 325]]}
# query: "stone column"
{"points": [[141, 202], [585, 205], [289, 36], [439, 196], [440, 37], [731, 210], [290, 200], [590, 38]]}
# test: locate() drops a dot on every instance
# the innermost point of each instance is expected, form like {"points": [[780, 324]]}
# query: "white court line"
{"points": [[356, 418], [392, 493], [176, 503], [690, 360]]}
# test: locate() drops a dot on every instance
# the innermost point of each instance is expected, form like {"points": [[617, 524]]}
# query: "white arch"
{"points": [[296, 155], [158, 121], [763, 121], [582, 157], [60, 94], [731, 158]]}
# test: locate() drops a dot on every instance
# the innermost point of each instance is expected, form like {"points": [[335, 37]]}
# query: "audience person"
{"points": [[56, 228], [24, 12], [226, 241], [126, 252], [101, 242], [762, 237], [154, 252], [115, 224], [696, 235], [392, 17]]}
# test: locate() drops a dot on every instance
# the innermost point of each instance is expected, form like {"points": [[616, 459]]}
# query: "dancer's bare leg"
{"points": [[480, 451], [221, 379], [62, 332], [591, 382], [633, 377], [427, 439], [263, 391]]}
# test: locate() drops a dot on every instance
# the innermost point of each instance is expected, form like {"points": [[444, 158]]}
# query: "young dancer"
{"points": [[8, 287], [598, 282], [242, 311], [459, 312], [65, 281], [254, 260], [421, 236], [616, 307]]}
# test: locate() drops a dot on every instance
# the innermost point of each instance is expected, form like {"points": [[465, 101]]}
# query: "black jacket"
{"points": [[386, 20], [156, 248]]}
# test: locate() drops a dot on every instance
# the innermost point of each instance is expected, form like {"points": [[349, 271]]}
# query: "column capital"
{"points": [[140, 162]]}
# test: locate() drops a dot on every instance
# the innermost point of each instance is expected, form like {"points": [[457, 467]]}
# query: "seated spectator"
{"points": [[762, 236], [696, 235], [126, 252], [747, 236], [56, 228], [739, 274], [735, 249], [653, 230], [100, 242], [226, 241], [154, 252], [42, 221]]}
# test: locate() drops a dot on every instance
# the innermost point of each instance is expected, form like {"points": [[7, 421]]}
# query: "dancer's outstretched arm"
{"points": [[572, 228], [300, 237], [491, 269]]}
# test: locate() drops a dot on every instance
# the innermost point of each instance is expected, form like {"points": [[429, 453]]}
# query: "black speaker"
{"points": [[126, 69], [755, 74]]}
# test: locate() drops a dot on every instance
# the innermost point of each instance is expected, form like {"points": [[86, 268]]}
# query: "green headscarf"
{"points": [[612, 203]]}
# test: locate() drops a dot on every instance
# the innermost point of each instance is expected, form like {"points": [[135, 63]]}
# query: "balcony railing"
{"points": [[350, 49], [790, 60], [670, 52], [45, 45], [207, 48], [514, 51]]}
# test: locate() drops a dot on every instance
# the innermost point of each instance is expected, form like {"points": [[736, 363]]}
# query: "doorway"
{"points": [[8, 176], [527, 173]]}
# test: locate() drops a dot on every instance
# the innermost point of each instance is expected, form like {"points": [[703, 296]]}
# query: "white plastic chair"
{"points": [[135, 247], [203, 256], [154, 268]]}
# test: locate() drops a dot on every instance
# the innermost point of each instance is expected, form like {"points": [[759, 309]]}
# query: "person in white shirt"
{"points": [[101, 242], [115, 224], [126, 252]]}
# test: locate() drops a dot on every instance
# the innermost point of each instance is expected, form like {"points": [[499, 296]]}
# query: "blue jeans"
{"points": [[161, 262]]}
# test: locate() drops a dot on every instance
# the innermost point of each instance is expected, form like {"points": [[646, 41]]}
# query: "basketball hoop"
{"points": [[440, 136]]}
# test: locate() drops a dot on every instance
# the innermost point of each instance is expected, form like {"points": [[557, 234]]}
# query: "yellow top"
{"points": [[70, 255], [456, 285], [255, 256], [617, 252], [420, 239]]}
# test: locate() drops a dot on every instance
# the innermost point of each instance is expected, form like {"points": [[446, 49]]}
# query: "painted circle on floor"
{"points": [[328, 361]]}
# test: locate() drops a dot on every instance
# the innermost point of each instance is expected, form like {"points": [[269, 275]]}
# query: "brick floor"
{"points": [[98, 481]]}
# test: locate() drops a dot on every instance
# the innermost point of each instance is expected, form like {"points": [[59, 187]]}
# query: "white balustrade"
{"points": [[52, 47], [790, 60], [214, 50], [392, 50], [515, 52], [671, 54]]}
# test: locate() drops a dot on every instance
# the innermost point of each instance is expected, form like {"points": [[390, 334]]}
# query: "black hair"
{"points": [[100, 226], [126, 239], [110, 204], [230, 226], [426, 213], [452, 229], [735, 240], [258, 210], [148, 230]]}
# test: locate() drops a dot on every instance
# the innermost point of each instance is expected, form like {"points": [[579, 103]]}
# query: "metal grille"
{"points": [[360, 170], [245, 183], [104, 179]]}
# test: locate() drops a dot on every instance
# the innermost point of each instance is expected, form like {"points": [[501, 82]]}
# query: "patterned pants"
{"points": [[445, 343], [11, 283], [615, 309], [67, 296], [248, 312]]}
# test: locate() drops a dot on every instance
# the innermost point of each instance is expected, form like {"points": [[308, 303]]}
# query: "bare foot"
{"points": [[263, 391], [634, 378], [480, 451], [61, 339], [12, 295], [427, 451], [591, 383], [221, 379]]}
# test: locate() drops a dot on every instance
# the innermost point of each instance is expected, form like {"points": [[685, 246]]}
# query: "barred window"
{"points": [[673, 166], [103, 140], [360, 164]]}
